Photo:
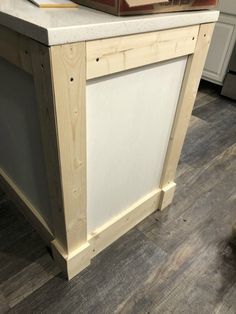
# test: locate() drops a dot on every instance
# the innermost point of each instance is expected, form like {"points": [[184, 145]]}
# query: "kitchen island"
{"points": [[94, 110]]}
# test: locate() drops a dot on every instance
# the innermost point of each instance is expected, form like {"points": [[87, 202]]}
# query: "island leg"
{"points": [[60, 81], [193, 72]]}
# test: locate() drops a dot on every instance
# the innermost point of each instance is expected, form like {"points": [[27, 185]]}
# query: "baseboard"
{"points": [[115, 228], [76, 261], [167, 194], [73, 263]]}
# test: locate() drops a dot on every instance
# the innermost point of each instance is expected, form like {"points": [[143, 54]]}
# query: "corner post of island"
{"points": [[59, 74], [191, 80]]}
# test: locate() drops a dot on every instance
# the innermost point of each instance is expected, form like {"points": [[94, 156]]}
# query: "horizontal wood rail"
{"points": [[15, 48], [113, 55]]}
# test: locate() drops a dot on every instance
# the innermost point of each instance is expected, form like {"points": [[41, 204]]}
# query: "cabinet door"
{"points": [[227, 6], [220, 50]]}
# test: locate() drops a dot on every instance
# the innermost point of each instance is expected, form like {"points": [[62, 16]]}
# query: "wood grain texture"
{"points": [[108, 286], [186, 101], [113, 55], [180, 260], [3, 304], [29, 279], [59, 74], [41, 62], [75, 261], [68, 73], [167, 195], [15, 48], [119, 225]]}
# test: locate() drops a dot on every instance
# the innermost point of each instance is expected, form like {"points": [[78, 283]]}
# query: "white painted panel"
{"points": [[21, 155], [221, 48], [227, 6], [129, 119]]}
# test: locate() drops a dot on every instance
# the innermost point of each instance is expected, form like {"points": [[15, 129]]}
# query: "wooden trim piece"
{"points": [[167, 194], [113, 55], [45, 100], [59, 74], [26, 207], [15, 48], [77, 260], [68, 71], [73, 263], [187, 97], [126, 220]]}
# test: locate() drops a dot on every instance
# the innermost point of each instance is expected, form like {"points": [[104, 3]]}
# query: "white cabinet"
{"points": [[227, 6], [222, 44]]}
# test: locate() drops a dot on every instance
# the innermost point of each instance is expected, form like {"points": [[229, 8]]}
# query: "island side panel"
{"points": [[129, 120], [21, 153], [49, 93]]}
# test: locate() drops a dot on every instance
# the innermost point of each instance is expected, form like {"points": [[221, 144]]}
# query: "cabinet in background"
{"points": [[222, 44]]}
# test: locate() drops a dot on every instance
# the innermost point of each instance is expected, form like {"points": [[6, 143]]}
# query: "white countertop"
{"points": [[59, 26]]}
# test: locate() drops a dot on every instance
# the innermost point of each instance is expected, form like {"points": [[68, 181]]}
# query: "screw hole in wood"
{"points": [[97, 59]]}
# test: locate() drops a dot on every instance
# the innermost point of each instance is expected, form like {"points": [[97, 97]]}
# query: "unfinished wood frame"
{"points": [[187, 97], [60, 74]]}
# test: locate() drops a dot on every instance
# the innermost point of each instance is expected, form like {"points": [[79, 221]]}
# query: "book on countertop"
{"points": [[54, 3]]}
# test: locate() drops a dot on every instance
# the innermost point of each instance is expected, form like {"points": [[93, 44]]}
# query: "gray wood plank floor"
{"points": [[181, 260]]}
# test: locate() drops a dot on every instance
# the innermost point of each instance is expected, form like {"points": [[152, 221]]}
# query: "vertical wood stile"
{"points": [[185, 105], [59, 74]]}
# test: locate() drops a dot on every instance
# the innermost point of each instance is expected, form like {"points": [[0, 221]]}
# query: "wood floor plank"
{"points": [[206, 95], [19, 243], [28, 280], [205, 100], [114, 275], [4, 307], [228, 304], [211, 111], [213, 138], [12, 225], [17, 256], [208, 274], [196, 191], [194, 125], [173, 281]]}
